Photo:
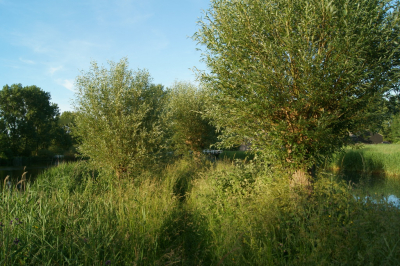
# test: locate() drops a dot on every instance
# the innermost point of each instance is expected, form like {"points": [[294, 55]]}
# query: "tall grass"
{"points": [[75, 215], [375, 159], [257, 221], [227, 213]]}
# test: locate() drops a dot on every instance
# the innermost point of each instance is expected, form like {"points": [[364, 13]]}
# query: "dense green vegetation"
{"points": [[295, 77], [290, 78], [190, 131], [30, 124], [376, 159], [192, 214], [232, 155], [117, 117]]}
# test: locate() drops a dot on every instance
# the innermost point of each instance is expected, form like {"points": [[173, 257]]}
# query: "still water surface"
{"points": [[373, 187], [15, 173]]}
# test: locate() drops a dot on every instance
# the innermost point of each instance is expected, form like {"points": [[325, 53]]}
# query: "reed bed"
{"points": [[73, 215]]}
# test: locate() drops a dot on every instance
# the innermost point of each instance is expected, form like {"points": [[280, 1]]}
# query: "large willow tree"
{"points": [[117, 117], [296, 76]]}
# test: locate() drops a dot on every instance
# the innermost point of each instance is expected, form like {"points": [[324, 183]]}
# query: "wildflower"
{"points": [[108, 262], [16, 241]]}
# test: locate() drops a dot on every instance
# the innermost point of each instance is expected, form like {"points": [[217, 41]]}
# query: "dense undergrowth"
{"points": [[191, 213]]}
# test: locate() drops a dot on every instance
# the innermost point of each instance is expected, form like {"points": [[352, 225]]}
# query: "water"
{"points": [[394, 200], [374, 187], [15, 172]]}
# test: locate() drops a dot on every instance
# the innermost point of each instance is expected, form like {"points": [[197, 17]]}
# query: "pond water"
{"points": [[373, 187], [15, 172], [392, 199]]}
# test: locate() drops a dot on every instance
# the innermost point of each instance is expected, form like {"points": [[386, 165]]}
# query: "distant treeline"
{"points": [[31, 126]]}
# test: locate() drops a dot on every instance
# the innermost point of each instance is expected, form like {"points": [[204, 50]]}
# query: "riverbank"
{"points": [[192, 214], [375, 159]]}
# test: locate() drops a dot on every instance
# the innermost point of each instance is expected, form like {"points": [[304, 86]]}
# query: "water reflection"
{"points": [[15, 173], [393, 200], [374, 187]]}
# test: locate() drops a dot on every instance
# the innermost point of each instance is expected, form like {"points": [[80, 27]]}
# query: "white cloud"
{"points": [[52, 70], [25, 60], [68, 84]]}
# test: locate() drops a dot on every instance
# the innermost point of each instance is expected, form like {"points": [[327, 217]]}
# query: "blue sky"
{"points": [[47, 43]]}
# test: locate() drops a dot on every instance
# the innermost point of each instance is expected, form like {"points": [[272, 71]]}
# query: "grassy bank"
{"points": [[375, 158], [192, 214]]}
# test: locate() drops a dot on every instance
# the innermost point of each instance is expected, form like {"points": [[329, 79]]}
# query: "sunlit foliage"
{"points": [[116, 117], [295, 77]]}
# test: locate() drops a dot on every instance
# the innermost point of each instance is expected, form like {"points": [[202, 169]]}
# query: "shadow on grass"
{"points": [[184, 240], [184, 237]]}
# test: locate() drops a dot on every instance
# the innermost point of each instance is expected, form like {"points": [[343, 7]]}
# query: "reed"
{"points": [[5, 182]]}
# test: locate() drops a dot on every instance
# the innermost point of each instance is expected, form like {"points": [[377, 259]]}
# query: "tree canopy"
{"points": [[27, 119], [296, 76], [185, 110], [117, 117]]}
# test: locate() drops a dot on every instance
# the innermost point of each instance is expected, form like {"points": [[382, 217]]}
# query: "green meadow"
{"points": [[193, 213]]}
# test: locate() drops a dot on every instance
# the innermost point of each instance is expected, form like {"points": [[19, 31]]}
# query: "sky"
{"points": [[48, 43]]}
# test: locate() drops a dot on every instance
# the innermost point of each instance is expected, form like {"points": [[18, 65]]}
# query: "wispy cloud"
{"points": [[52, 70], [68, 84], [25, 60], [39, 41]]}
